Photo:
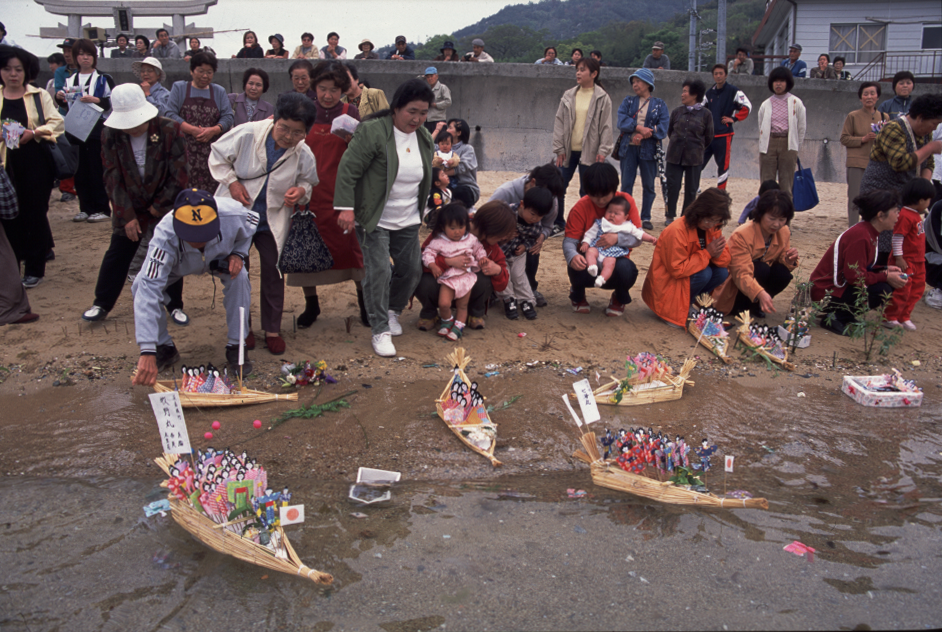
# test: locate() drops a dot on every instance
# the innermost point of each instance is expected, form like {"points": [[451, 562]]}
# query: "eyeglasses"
{"points": [[287, 131], [204, 73]]}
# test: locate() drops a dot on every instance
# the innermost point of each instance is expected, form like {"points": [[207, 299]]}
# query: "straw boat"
{"points": [[212, 535], [666, 388], [608, 474], [719, 345], [204, 400], [743, 330], [459, 361]]}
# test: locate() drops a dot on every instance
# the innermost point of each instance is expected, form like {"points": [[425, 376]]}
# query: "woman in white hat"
{"points": [[151, 73], [144, 158]]}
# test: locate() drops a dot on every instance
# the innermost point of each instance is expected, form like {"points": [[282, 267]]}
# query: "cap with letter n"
{"points": [[195, 216]]}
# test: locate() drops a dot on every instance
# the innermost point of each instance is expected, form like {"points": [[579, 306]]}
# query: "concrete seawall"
{"points": [[511, 107]]}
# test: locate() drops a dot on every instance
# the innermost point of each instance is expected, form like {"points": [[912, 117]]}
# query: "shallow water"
{"points": [[465, 546]]}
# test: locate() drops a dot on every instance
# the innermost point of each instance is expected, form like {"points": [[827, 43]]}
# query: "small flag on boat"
{"points": [[729, 463], [291, 514]]}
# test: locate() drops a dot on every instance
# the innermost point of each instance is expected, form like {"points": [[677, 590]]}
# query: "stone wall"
{"points": [[511, 107]]}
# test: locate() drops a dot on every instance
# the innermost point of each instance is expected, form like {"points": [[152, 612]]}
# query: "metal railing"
{"points": [[925, 64]]}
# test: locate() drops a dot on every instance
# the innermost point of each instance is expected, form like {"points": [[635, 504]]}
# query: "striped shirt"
{"points": [[779, 114]]}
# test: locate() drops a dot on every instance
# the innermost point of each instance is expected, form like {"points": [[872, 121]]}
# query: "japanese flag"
{"points": [[729, 463], [292, 514]]}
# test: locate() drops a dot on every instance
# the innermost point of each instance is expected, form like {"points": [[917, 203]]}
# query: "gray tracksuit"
{"points": [[170, 258]]}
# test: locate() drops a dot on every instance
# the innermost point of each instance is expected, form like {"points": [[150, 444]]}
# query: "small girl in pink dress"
{"points": [[450, 238]]}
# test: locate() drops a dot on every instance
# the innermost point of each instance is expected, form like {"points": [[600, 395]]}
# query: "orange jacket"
{"points": [[677, 257], [745, 246]]}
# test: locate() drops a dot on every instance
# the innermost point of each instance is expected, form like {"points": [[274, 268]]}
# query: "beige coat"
{"points": [[598, 134], [240, 155], [55, 124]]}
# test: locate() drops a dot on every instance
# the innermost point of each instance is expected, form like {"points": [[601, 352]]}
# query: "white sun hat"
{"points": [[129, 107], [150, 61]]}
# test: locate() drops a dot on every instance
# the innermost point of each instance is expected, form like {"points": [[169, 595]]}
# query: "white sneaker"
{"points": [[383, 345], [81, 217], [892, 324], [98, 217], [593, 270], [934, 298], [395, 328], [910, 325]]}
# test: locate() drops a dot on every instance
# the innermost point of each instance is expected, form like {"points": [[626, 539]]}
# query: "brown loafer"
{"points": [[28, 318], [427, 324], [275, 344], [476, 322]]}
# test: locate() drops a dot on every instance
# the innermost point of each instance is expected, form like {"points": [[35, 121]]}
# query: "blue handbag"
{"points": [[804, 191]]}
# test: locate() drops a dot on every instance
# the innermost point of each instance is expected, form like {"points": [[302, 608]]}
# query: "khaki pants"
{"points": [[779, 163], [519, 285], [854, 176]]}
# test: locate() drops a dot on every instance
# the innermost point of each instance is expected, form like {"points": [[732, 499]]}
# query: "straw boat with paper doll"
{"points": [[207, 387], [226, 505], [637, 462], [649, 380], [706, 325], [764, 340], [462, 409]]}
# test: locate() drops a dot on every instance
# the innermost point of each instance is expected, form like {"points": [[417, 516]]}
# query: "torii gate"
{"points": [[123, 12]]}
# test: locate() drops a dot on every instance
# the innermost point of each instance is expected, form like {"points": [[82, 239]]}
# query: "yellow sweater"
{"points": [[583, 97]]}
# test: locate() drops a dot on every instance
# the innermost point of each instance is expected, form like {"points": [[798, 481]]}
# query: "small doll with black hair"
{"points": [[451, 239], [439, 196]]}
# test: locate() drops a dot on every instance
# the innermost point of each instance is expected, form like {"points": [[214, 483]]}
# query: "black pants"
{"points": [[622, 280], [114, 273], [31, 171], [773, 280], [691, 177], [842, 307], [428, 289], [464, 194], [90, 178], [533, 266]]}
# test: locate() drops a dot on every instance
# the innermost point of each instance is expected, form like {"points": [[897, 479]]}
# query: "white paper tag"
{"points": [[590, 410], [572, 412], [241, 336], [729, 463], [170, 422], [292, 514]]}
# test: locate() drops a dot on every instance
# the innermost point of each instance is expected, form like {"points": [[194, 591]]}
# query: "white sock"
{"points": [[599, 281], [593, 270]]}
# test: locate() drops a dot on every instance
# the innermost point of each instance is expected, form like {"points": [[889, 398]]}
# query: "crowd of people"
{"points": [[193, 177]]}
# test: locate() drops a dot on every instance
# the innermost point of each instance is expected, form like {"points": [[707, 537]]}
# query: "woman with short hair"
{"points": [[823, 69], [383, 182], [196, 47], [690, 258], [367, 100], [248, 105], [761, 258], [151, 73], [251, 49], [204, 112], [549, 57], [306, 50], [782, 125], [857, 136], [300, 73], [333, 50], [464, 176], [264, 165], [690, 131], [278, 50], [141, 47]]}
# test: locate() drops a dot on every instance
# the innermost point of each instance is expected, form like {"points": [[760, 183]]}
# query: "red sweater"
{"points": [[494, 253], [856, 245]]}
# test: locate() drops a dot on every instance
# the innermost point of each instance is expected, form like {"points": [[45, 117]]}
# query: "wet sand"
{"points": [[862, 486]]}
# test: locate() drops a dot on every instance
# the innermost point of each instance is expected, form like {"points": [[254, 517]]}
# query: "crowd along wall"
{"points": [[511, 107]]}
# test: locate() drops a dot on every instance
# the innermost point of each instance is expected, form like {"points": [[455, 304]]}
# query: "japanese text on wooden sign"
{"points": [[590, 410], [170, 422]]}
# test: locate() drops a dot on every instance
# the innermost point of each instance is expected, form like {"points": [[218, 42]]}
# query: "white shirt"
{"points": [[139, 147], [402, 207]]}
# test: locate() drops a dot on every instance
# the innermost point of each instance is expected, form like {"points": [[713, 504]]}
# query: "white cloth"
{"points": [[240, 155], [937, 172], [608, 227], [797, 124], [139, 147], [401, 207]]}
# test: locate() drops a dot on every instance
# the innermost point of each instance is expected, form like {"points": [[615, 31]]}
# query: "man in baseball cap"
{"points": [[438, 111], [477, 52], [201, 235], [64, 72], [402, 50], [798, 67], [657, 58]]}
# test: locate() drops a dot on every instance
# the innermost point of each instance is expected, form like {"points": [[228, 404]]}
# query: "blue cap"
{"points": [[645, 75], [195, 216], [431, 70]]}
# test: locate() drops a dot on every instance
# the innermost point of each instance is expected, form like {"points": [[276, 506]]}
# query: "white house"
{"points": [[877, 38]]}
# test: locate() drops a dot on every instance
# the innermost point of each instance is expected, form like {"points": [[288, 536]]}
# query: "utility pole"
{"points": [[721, 32], [692, 54]]}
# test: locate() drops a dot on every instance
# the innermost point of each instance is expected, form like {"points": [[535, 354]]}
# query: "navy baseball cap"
{"points": [[195, 216]]}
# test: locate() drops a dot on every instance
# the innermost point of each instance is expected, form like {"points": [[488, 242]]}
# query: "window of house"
{"points": [[857, 43], [931, 36]]}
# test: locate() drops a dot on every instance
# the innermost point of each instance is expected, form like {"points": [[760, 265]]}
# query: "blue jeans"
{"points": [[630, 163], [568, 173], [706, 280]]}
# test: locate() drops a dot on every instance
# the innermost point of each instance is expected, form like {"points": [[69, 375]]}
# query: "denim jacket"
{"points": [[657, 119]]}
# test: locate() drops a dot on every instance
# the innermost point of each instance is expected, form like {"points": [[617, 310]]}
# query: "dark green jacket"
{"points": [[368, 169]]}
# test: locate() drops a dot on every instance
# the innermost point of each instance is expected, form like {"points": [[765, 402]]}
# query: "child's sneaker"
{"points": [[593, 270], [910, 325], [600, 281], [454, 334], [446, 327], [528, 310], [892, 324], [510, 310]]}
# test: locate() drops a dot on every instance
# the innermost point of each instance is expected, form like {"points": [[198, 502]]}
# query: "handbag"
{"points": [[9, 206], [64, 155], [616, 153], [304, 250], [804, 191]]}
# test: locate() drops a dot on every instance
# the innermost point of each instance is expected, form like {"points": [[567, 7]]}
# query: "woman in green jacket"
{"points": [[383, 181]]}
